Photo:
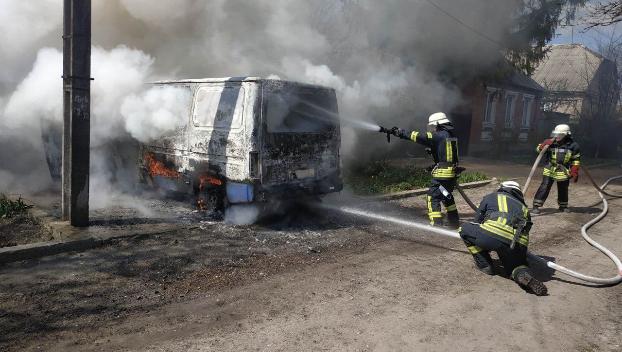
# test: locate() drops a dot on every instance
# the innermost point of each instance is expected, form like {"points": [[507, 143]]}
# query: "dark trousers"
{"points": [[480, 242], [545, 188], [436, 197]]}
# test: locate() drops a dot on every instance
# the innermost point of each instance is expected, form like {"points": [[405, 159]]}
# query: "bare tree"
{"points": [[590, 95], [605, 14]]}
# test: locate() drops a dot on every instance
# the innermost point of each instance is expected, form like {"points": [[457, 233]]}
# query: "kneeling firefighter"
{"points": [[502, 224], [563, 160], [443, 146]]}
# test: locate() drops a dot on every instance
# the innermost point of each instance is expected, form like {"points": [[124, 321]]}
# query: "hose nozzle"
{"points": [[387, 131]]}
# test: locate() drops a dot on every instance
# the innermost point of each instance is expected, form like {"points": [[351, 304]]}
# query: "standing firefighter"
{"points": [[563, 160], [502, 225], [444, 149]]}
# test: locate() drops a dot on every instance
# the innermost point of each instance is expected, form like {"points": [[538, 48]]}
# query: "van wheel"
{"points": [[211, 199]]}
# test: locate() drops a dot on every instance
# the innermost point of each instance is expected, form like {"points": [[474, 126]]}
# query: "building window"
{"points": [[489, 114], [509, 110], [527, 109]]}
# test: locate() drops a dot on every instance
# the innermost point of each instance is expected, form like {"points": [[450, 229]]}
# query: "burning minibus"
{"points": [[248, 140]]}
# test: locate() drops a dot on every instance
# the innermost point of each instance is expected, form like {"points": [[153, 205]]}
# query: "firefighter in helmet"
{"points": [[502, 224], [563, 159], [443, 145]]}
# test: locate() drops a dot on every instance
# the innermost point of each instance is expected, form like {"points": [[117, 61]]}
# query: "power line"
{"points": [[467, 26]]}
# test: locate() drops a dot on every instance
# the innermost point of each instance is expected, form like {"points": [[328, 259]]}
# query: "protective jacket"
{"points": [[504, 213], [560, 157], [444, 147]]}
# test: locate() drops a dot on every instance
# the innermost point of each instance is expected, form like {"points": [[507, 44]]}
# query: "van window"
{"points": [[219, 107], [301, 110]]}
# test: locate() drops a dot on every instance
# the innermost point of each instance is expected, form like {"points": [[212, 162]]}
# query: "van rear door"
{"points": [[218, 138], [301, 136]]}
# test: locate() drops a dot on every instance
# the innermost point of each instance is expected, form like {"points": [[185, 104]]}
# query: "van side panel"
{"points": [[219, 137]]}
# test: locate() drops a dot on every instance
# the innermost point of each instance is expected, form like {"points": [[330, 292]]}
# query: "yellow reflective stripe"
{"points": [[502, 203], [554, 156], [576, 162], [413, 136], [435, 214], [429, 204], [501, 223], [505, 233], [449, 151], [474, 249], [429, 135], [448, 172], [567, 157], [525, 212], [452, 207], [557, 175]]}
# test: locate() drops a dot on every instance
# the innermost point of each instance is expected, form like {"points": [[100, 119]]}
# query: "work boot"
{"points": [[454, 225], [483, 263], [525, 280], [535, 211]]}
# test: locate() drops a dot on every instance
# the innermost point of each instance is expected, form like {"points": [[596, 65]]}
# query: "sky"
{"points": [[578, 34]]}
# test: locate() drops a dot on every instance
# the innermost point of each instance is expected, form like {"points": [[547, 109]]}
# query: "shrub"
{"points": [[10, 208]]}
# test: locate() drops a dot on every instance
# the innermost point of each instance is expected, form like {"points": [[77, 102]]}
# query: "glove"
{"points": [[398, 132], [574, 173], [547, 142]]}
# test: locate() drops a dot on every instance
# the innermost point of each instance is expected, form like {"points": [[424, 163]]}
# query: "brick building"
{"points": [[499, 116]]}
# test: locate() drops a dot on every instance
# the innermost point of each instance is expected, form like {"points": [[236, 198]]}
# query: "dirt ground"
{"points": [[316, 280], [22, 229]]}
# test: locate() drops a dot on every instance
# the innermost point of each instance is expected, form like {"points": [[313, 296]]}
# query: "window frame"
{"points": [[527, 111], [508, 118], [490, 110]]}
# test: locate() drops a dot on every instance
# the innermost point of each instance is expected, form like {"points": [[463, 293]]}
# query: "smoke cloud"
{"points": [[387, 60]]}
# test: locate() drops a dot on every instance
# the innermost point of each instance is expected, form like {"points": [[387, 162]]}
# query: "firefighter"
{"points": [[443, 146], [563, 160], [502, 225]]}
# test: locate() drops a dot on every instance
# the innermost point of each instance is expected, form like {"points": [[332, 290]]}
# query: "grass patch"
{"points": [[380, 177], [10, 208]]}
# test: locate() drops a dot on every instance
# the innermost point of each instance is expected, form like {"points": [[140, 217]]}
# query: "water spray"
{"points": [[397, 221], [364, 125], [454, 234]]}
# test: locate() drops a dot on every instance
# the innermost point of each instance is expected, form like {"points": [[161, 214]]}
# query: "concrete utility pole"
{"points": [[77, 110]]}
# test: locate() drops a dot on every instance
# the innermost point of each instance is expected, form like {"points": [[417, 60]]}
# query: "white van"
{"points": [[249, 140]]}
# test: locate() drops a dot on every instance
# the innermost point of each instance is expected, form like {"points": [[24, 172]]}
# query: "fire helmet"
{"points": [[511, 185], [438, 118], [561, 131]]}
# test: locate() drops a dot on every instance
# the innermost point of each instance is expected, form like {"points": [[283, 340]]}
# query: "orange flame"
{"points": [[206, 179], [157, 168]]}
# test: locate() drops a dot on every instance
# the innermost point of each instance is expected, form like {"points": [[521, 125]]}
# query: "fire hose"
{"points": [[601, 192]]}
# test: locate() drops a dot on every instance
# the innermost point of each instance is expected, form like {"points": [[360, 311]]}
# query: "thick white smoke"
{"points": [[383, 57], [155, 112]]}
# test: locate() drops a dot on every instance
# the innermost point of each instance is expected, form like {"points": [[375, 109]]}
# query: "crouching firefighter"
{"points": [[563, 160], [443, 146], [502, 224]]}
